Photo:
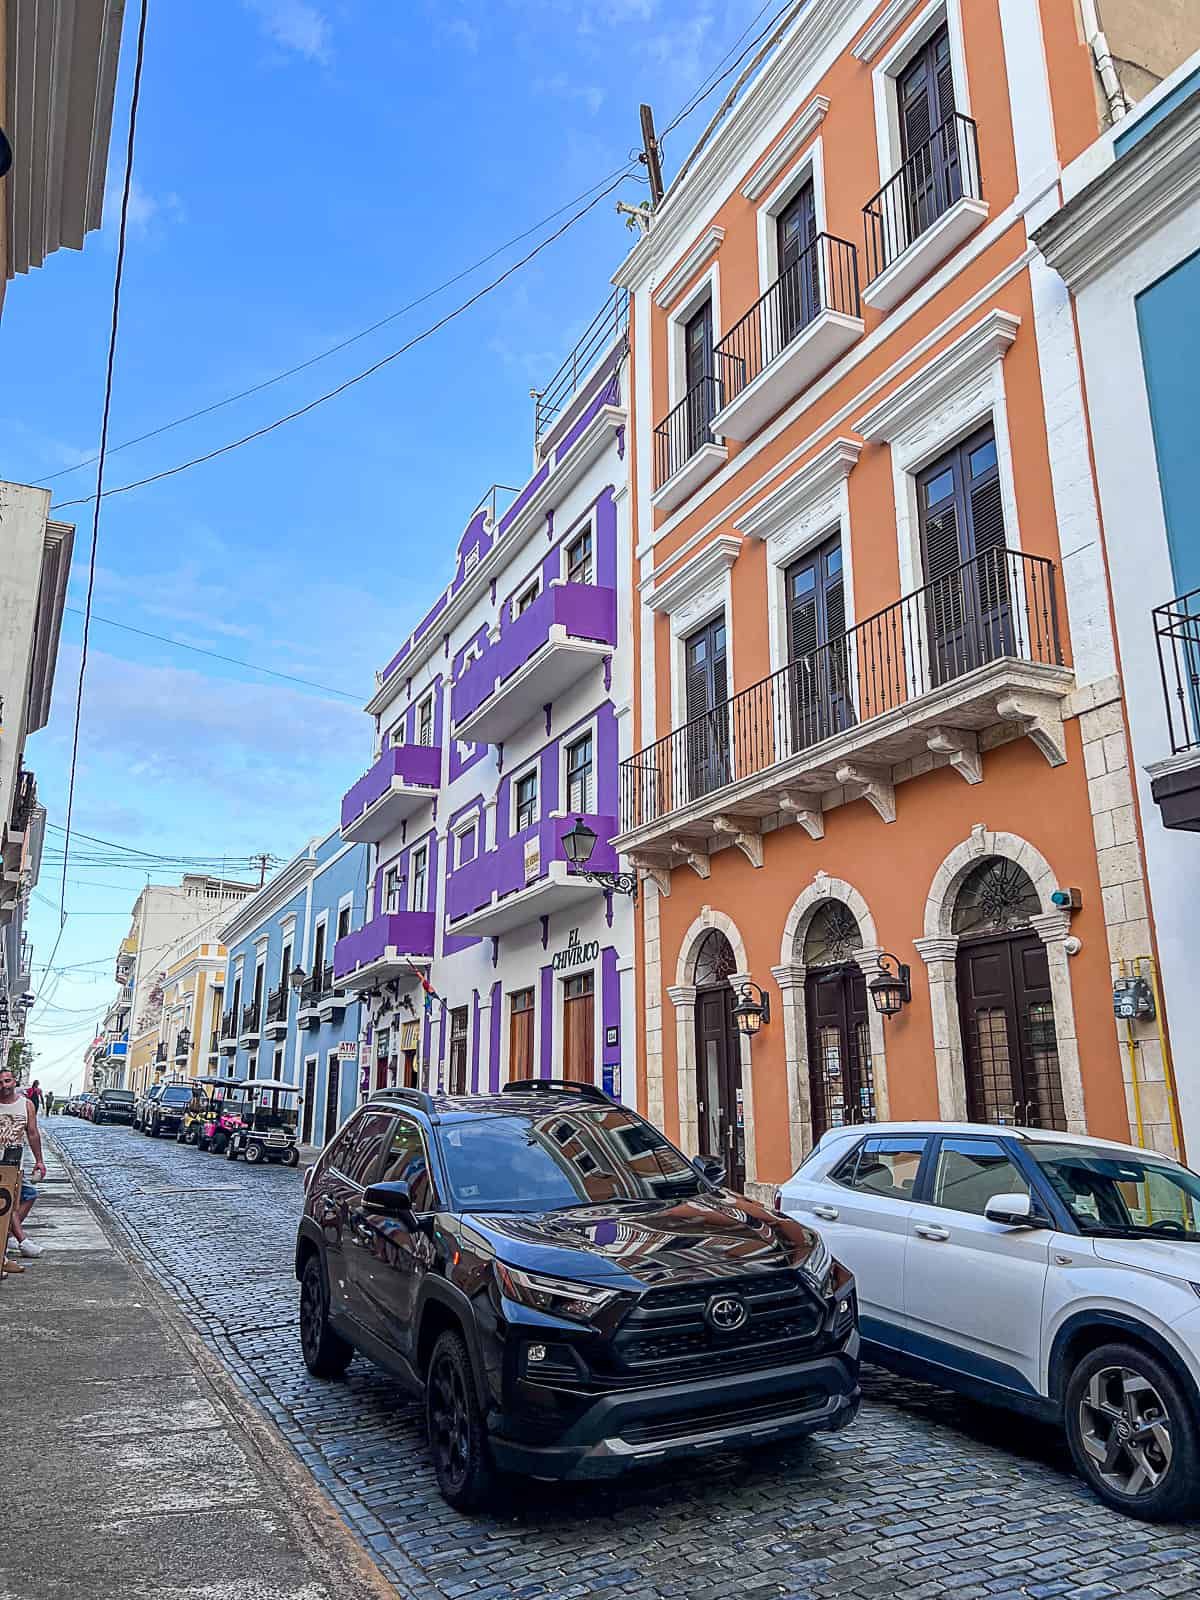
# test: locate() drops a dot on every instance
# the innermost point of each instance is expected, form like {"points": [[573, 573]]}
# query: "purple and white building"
{"points": [[500, 720]]}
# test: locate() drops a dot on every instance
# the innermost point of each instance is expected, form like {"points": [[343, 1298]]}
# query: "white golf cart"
{"points": [[269, 1110]]}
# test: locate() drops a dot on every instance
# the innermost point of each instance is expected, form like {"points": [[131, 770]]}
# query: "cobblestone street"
{"points": [[924, 1496]]}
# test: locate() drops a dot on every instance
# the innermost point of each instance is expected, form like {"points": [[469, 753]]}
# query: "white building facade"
{"points": [[499, 725], [1126, 240]]}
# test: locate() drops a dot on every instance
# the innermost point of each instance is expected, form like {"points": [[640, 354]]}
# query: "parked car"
{"points": [[570, 1293], [143, 1104], [1049, 1272], [114, 1105], [165, 1114], [86, 1103]]}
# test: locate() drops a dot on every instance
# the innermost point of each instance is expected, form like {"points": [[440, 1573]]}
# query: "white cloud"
{"points": [[148, 213], [590, 94], [295, 25], [466, 32]]}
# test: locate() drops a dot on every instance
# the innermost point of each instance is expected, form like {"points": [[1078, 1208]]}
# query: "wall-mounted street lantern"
{"points": [[891, 988], [297, 977], [753, 1009], [578, 845]]}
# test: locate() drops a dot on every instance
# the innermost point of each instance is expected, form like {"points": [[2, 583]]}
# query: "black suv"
{"points": [[165, 1114], [114, 1105], [570, 1293]]}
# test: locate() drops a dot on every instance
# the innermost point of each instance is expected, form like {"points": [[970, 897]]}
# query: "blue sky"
{"points": [[304, 167]]}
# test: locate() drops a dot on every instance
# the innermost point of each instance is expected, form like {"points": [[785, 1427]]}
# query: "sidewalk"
{"points": [[132, 1467]]}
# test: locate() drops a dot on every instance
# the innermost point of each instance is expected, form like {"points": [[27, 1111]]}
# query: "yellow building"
{"points": [[191, 1011]]}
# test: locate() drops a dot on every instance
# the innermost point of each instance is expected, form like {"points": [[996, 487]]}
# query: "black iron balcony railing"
{"points": [[823, 277], [24, 798], [685, 428], [999, 604], [609, 322], [250, 1016], [160, 1053], [228, 1023], [319, 984], [943, 171], [277, 1004], [214, 1041], [1177, 633]]}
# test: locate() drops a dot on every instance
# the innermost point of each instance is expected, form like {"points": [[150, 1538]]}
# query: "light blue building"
{"points": [[284, 1015]]}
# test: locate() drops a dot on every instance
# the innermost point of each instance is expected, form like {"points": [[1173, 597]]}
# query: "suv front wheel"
{"points": [[326, 1353], [457, 1432], [1132, 1432]]}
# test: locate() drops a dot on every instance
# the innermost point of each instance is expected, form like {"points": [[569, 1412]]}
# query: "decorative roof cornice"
{"points": [[261, 907], [881, 30], [1139, 192]]}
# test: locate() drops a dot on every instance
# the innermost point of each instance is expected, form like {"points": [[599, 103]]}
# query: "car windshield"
{"points": [[555, 1160], [122, 1095], [177, 1096], [1127, 1196]]}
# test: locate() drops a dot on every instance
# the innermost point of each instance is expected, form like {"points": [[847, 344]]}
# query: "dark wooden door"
{"points": [[579, 1029], [719, 1083], [968, 601], [520, 1034], [820, 701], [928, 140], [707, 731], [840, 1074], [1009, 1041], [799, 294], [333, 1096], [310, 1100], [698, 367]]}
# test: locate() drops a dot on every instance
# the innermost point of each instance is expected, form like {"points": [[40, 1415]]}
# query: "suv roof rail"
{"points": [[412, 1097], [585, 1091]]}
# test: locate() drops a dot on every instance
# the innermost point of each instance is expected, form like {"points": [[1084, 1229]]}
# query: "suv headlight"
{"points": [[557, 1297], [818, 1265]]}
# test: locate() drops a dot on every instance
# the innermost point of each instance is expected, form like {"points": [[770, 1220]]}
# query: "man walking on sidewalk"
{"points": [[18, 1123]]}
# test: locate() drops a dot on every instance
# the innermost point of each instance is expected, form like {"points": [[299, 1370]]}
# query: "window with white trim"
{"points": [[425, 721], [579, 558], [579, 775], [466, 842], [418, 878], [526, 791], [391, 890], [526, 597]]}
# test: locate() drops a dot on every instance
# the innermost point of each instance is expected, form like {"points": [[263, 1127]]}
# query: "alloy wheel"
{"points": [[449, 1418], [1126, 1429], [312, 1313]]}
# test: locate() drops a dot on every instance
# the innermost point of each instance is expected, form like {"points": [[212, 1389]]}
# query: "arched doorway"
{"points": [[840, 1074], [1006, 1008], [721, 1126]]}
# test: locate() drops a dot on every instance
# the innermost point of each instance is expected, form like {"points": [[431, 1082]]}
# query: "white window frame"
{"points": [[809, 169], [706, 287], [531, 768], [321, 921], [394, 889], [421, 850], [427, 700], [466, 827], [587, 730], [587, 526], [345, 903], [893, 62], [694, 595], [532, 589]]}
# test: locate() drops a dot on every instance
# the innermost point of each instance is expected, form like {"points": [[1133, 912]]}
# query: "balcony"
{"points": [[251, 1027], [686, 453], [929, 677], [160, 1055], [276, 1023], [386, 948], [923, 213], [315, 992], [1175, 782], [227, 1032], [524, 878], [404, 778], [12, 849], [805, 321], [566, 632]]}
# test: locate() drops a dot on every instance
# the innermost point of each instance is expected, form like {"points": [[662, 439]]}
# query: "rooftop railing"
{"points": [[609, 323]]}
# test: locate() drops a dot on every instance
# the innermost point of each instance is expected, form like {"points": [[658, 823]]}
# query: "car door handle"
{"points": [[828, 1213], [931, 1230]]}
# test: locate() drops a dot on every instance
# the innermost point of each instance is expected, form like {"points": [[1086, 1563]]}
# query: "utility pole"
{"points": [[262, 867], [649, 157]]}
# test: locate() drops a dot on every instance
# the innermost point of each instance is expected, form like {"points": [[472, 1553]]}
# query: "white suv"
{"points": [[1050, 1272]]}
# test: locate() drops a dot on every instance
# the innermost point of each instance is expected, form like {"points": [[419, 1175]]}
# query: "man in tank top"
{"points": [[18, 1124]]}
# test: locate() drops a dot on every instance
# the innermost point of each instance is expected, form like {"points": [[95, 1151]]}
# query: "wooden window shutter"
{"points": [[945, 77]]}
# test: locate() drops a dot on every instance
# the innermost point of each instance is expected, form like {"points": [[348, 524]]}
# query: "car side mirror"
{"points": [[1014, 1211], [711, 1169], [392, 1199]]}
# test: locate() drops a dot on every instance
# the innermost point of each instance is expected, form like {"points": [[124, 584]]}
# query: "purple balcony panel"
{"points": [[408, 933], [502, 871], [582, 609], [416, 764]]}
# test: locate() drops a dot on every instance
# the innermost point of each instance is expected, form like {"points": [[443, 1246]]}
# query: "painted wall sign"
{"points": [[533, 859], [611, 1074], [576, 953], [347, 1050], [612, 1037]]}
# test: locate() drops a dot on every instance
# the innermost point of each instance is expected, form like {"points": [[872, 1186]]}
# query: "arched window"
{"points": [[715, 960], [996, 897], [833, 936]]}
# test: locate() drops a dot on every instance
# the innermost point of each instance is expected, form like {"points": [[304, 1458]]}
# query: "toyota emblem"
{"points": [[725, 1313]]}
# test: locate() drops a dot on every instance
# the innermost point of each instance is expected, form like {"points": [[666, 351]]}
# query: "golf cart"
{"points": [[203, 1111], [268, 1127]]}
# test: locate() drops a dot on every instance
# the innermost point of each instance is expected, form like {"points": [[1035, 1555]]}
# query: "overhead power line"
{"points": [[216, 655], [118, 275], [358, 377]]}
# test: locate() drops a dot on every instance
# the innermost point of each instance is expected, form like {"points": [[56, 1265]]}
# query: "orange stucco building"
{"points": [[877, 714]]}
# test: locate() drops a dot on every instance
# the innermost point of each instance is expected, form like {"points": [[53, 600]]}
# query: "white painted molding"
{"points": [[807, 123], [1144, 188], [968, 358], [705, 245], [790, 500], [885, 24], [707, 564]]}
